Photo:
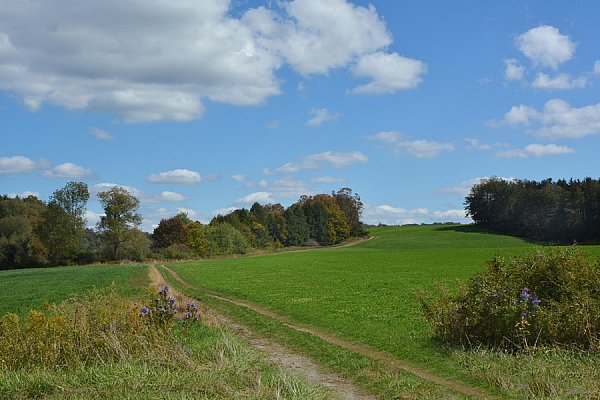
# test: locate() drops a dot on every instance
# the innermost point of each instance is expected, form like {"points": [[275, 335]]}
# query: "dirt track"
{"points": [[273, 352], [391, 361]]}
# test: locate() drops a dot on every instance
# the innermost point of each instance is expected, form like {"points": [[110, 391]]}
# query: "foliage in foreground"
{"points": [[100, 346], [549, 298], [96, 328]]}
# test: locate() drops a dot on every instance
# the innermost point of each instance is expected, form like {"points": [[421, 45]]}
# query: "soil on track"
{"points": [[273, 352], [393, 362]]}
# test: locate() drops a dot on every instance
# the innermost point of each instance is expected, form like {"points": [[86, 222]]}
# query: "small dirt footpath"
{"points": [[273, 352], [391, 361]]}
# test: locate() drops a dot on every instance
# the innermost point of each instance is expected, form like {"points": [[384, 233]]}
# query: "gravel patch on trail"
{"points": [[273, 352]]}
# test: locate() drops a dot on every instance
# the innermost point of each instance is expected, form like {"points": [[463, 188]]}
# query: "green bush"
{"points": [[549, 298], [97, 328]]}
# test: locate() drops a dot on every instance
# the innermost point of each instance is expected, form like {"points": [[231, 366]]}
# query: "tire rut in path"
{"points": [[391, 361], [274, 352]]}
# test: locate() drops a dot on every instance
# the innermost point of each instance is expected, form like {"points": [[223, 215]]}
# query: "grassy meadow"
{"points": [[24, 289], [363, 293], [366, 294], [213, 363]]}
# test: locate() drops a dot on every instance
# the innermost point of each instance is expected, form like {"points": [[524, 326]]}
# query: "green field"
{"points": [[217, 364], [366, 293], [363, 293], [24, 289]]}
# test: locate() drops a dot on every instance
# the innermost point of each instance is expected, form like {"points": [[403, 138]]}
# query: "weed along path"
{"points": [[390, 361], [274, 352]]}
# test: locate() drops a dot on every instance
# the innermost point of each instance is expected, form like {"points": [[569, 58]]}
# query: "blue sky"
{"points": [[201, 106]]}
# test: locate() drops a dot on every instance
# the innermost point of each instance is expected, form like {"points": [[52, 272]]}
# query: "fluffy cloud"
{"points": [[520, 114], [337, 159], [320, 115], [450, 215], [68, 171], [101, 134], [597, 68], [25, 194], [478, 145], [16, 164], [179, 177], [418, 148], [158, 59], [170, 197], [223, 211], [162, 197], [557, 119], [238, 178], [390, 215], [260, 197], [513, 70], [327, 180], [546, 46], [324, 34], [536, 150], [464, 188], [389, 73], [561, 81], [92, 218]]}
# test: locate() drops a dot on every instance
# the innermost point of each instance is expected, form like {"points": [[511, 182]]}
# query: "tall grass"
{"points": [[99, 345]]}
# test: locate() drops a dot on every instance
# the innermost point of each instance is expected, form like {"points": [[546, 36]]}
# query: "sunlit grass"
{"points": [[365, 293]]}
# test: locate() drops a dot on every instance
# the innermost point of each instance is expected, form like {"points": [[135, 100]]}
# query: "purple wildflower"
{"points": [[535, 301], [523, 314], [144, 310], [164, 291], [524, 294]]}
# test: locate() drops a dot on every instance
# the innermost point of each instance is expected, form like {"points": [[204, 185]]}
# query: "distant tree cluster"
{"points": [[561, 211], [313, 220], [38, 233]]}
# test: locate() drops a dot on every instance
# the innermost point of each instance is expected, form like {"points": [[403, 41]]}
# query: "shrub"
{"points": [[96, 328], [549, 298]]}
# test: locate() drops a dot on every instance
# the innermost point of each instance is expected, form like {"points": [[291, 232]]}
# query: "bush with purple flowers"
{"points": [[549, 298], [97, 327]]}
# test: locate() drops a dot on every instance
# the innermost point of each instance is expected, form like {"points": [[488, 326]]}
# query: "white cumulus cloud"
{"points": [[390, 215], [101, 134], [177, 177], [24, 195], [68, 170], [464, 188], [260, 197], [389, 73], [153, 60], [419, 148], [320, 115], [337, 159], [327, 180], [546, 46], [513, 70], [536, 150], [16, 164], [557, 119], [561, 81], [170, 197]]}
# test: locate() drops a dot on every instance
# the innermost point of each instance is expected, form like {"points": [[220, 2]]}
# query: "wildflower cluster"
{"points": [[162, 309]]}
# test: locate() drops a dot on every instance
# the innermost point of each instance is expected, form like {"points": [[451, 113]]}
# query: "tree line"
{"points": [[38, 233], [313, 220], [560, 211]]}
